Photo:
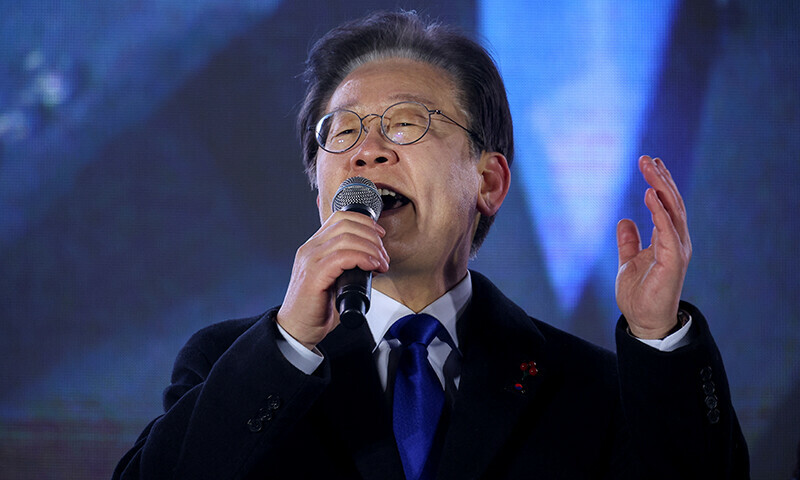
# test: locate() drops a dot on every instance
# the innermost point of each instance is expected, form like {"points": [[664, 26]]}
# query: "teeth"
{"points": [[392, 199]]}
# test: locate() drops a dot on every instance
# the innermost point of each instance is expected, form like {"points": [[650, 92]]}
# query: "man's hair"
{"points": [[480, 89]]}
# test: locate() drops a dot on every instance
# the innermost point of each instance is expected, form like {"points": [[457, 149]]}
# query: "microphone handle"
{"points": [[353, 289]]}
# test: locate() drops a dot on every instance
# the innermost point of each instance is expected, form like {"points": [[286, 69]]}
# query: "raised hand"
{"points": [[650, 280]]}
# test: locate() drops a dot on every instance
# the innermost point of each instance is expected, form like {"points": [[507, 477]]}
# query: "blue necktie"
{"points": [[418, 395]]}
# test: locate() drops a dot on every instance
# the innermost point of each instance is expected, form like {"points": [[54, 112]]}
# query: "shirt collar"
{"points": [[384, 310]]}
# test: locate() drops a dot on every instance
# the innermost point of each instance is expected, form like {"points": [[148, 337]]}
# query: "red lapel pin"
{"points": [[529, 369]]}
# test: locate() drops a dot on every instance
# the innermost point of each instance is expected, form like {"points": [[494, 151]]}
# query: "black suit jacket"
{"points": [[237, 409]]}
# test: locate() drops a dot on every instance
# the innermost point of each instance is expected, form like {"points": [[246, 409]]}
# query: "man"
{"points": [[421, 111]]}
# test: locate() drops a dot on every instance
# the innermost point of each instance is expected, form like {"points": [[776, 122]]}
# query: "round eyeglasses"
{"points": [[403, 123]]}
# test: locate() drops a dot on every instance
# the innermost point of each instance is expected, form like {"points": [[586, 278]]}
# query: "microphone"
{"points": [[354, 286]]}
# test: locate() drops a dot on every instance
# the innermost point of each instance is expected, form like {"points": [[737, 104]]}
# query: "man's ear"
{"points": [[495, 180]]}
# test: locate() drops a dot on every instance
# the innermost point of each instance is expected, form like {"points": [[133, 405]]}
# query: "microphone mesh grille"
{"points": [[358, 191]]}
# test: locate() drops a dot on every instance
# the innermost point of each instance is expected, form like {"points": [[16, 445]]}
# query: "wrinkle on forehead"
{"points": [[391, 100]]}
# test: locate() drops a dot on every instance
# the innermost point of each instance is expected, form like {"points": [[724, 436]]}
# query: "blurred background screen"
{"points": [[151, 184]]}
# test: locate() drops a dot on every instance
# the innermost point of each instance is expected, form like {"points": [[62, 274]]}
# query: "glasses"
{"points": [[403, 123]]}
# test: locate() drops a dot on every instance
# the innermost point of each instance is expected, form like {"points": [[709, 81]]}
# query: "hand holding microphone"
{"points": [[331, 269]]}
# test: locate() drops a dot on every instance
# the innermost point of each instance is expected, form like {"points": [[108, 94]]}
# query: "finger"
{"points": [[349, 227], [314, 275], [345, 227], [356, 251], [671, 181], [658, 177], [654, 236], [673, 202], [629, 243], [354, 217], [665, 236], [335, 248], [341, 260]]}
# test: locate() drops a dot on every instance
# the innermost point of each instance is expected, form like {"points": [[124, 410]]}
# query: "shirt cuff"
{"points": [[670, 342], [297, 354]]}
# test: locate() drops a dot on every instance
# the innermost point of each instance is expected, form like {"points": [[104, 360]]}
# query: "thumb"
{"points": [[628, 241]]}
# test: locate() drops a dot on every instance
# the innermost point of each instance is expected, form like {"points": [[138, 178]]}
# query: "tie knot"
{"points": [[418, 328]]}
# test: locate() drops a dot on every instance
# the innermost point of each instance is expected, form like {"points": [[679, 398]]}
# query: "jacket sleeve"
{"points": [[678, 407], [232, 394]]}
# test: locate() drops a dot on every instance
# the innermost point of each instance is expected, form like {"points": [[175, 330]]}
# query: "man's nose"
{"points": [[375, 148]]}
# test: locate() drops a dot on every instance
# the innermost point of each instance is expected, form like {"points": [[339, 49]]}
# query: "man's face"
{"points": [[430, 229]]}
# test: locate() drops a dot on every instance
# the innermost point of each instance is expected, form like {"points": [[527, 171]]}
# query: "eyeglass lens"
{"points": [[402, 123]]}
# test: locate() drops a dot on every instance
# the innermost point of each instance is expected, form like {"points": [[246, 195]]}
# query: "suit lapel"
{"points": [[355, 404], [495, 338]]}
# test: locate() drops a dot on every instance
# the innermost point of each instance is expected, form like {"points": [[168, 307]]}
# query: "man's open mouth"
{"points": [[391, 199]]}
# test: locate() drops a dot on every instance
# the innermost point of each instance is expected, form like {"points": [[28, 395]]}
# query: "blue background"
{"points": [[151, 184]]}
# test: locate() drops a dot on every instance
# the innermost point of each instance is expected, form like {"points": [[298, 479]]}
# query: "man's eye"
{"points": [[405, 125], [348, 131]]}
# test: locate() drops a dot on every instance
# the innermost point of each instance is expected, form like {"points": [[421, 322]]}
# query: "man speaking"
{"points": [[446, 378]]}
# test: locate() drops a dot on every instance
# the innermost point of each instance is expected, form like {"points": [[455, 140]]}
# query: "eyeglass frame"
{"points": [[361, 119]]}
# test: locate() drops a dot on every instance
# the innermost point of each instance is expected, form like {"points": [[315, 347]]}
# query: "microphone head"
{"points": [[359, 194]]}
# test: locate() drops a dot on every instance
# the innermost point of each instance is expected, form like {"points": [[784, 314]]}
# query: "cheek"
{"points": [[321, 169], [326, 187], [464, 182], [323, 212], [457, 191]]}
